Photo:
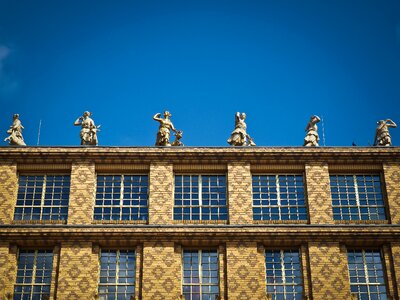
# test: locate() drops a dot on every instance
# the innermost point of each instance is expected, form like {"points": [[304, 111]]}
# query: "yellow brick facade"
{"points": [[159, 243]]}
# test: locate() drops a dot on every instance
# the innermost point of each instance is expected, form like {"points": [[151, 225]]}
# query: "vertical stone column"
{"points": [[161, 192], [306, 270], [240, 194], [222, 271], [329, 271], [246, 271], [319, 193], [8, 191], [79, 271], [396, 267], [82, 193], [161, 271], [8, 269], [392, 179]]}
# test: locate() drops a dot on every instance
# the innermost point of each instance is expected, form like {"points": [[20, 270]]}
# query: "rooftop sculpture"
{"points": [[88, 129], [15, 132], [382, 135], [239, 136], [164, 130], [312, 137]]}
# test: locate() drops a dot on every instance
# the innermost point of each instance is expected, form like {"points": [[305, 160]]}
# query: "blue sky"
{"points": [[279, 61]]}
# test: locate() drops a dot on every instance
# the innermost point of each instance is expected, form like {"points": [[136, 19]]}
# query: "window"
{"points": [[357, 197], [200, 274], [121, 197], [278, 197], [33, 274], [283, 278], [200, 197], [42, 197], [366, 274], [117, 274]]}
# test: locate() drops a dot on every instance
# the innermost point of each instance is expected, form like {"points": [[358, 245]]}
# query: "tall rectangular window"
{"points": [[279, 197], [357, 197], [117, 274], [200, 274], [121, 197], [33, 274], [367, 279], [283, 278], [42, 197], [200, 197]]}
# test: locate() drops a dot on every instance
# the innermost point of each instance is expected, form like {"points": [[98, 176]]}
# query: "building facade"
{"points": [[199, 223]]}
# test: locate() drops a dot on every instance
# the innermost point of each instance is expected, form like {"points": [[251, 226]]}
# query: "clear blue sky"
{"points": [[279, 61]]}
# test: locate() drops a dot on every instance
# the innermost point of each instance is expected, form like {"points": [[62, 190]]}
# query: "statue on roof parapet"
{"points": [[312, 138], [15, 132], [164, 131], [382, 135], [239, 136], [89, 130]]}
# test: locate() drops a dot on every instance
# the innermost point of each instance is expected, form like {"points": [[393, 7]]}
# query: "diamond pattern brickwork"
{"points": [[161, 271], [161, 194], [392, 180], [245, 271], [318, 193], [8, 270], [240, 194], [8, 191], [329, 272], [396, 266], [79, 271], [82, 193]]}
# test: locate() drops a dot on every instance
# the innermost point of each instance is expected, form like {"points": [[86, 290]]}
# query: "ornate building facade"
{"points": [[199, 223]]}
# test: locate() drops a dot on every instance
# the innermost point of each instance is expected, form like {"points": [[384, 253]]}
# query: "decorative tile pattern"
{"points": [[246, 271], [329, 273], [318, 193], [161, 194], [392, 180], [8, 269], [79, 271], [161, 271], [239, 194], [82, 193], [396, 265], [8, 191]]}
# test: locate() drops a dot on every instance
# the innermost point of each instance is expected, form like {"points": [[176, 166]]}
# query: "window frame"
{"points": [[263, 217], [200, 199], [121, 200]]}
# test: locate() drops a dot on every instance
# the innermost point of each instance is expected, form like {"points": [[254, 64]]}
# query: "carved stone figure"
{"points": [[166, 125], [88, 129], [312, 137], [239, 136], [178, 135], [382, 135], [15, 132]]}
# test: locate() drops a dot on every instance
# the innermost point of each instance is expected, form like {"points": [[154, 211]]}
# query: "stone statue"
{"points": [[166, 125], [239, 136], [312, 137], [178, 135], [15, 132], [382, 135], [88, 129]]}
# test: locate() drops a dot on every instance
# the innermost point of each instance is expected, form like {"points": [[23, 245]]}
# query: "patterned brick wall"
{"points": [[319, 193], [161, 194], [392, 180], [246, 271], [82, 193], [329, 271], [240, 194], [161, 271], [396, 266], [8, 270], [79, 271], [8, 191]]}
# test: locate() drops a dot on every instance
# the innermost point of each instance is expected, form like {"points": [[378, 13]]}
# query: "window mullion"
{"points": [[200, 189], [42, 197], [121, 197], [278, 196], [200, 272], [365, 270], [117, 273], [34, 271], [357, 196]]}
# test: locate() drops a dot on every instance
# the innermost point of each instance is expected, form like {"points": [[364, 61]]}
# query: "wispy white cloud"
{"points": [[7, 84]]}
